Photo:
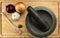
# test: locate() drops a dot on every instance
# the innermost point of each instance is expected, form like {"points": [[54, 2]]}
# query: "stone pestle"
{"points": [[41, 23]]}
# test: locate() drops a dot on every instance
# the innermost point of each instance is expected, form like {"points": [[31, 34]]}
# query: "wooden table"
{"points": [[7, 31]]}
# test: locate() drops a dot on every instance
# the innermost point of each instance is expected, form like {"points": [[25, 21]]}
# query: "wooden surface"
{"points": [[7, 30], [0, 18], [59, 18]]}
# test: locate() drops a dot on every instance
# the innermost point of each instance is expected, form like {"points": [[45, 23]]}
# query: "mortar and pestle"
{"points": [[40, 21]]}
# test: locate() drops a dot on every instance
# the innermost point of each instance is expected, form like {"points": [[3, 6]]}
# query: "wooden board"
{"points": [[7, 29], [53, 35], [15, 1], [43, 0], [59, 19], [0, 18]]}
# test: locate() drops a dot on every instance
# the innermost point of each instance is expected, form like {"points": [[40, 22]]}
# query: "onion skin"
{"points": [[20, 7], [10, 8]]}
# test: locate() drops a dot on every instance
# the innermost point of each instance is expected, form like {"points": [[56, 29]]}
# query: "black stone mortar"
{"points": [[47, 15]]}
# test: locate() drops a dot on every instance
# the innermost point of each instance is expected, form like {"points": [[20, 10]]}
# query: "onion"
{"points": [[20, 7], [10, 8]]}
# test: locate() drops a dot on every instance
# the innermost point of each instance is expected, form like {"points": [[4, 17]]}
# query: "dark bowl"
{"points": [[47, 15]]}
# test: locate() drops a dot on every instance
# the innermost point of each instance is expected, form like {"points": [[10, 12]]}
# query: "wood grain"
{"points": [[15, 0], [43, 0], [5, 24], [6, 28], [7, 31], [0, 18]]}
